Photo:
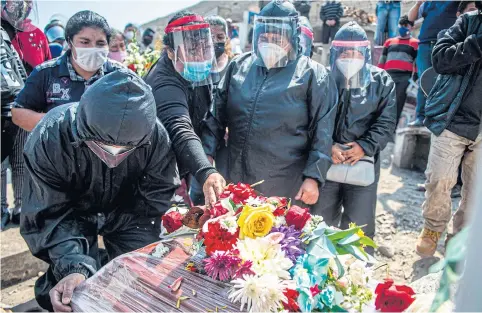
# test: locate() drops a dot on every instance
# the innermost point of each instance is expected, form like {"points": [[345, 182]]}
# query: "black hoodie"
{"points": [[67, 184]]}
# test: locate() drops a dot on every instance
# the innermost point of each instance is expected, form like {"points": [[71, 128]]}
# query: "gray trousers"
{"points": [[17, 166]]}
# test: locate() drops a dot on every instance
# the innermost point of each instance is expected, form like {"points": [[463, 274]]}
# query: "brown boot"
{"points": [[427, 242]]}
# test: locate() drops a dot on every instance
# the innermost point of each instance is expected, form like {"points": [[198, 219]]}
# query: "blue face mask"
{"points": [[196, 71], [403, 31]]}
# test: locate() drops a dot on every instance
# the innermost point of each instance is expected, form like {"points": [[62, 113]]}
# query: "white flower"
{"points": [[267, 257], [279, 221], [312, 223], [255, 202], [229, 223], [259, 293]]}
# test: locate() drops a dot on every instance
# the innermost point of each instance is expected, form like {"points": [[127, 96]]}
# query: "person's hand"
{"points": [[213, 188], [336, 155], [353, 155], [308, 192], [61, 294]]}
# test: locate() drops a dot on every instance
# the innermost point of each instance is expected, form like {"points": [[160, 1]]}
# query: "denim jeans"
{"points": [[387, 12], [424, 61]]}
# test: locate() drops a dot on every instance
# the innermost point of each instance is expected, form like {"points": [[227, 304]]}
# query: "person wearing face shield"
{"points": [[279, 107], [182, 86], [55, 32], [88, 175], [365, 123], [306, 37], [65, 79]]}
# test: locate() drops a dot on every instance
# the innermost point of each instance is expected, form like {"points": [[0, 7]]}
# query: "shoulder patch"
{"points": [[49, 64]]}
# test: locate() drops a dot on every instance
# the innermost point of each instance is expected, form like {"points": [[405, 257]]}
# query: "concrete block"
{"points": [[412, 146]]}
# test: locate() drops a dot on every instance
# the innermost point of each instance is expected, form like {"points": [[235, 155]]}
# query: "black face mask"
{"points": [[147, 41], [219, 49]]}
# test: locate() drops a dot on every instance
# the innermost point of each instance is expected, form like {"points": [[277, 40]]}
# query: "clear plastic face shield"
{"points": [[193, 50], [112, 156], [55, 33], [349, 63], [274, 40], [306, 40], [21, 14]]}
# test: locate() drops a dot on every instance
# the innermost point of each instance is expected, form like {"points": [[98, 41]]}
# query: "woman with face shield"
{"points": [[182, 86], [365, 123], [279, 107]]}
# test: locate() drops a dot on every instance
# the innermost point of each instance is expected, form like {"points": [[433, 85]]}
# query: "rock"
{"points": [[388, 237], [386, 251]]}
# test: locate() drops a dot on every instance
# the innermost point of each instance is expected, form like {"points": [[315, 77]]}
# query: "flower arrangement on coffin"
{"points": [[138, 62], [280, 257]]}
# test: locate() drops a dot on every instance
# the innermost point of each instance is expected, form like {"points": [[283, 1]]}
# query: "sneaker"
{"points": [[456, 191], [417, 123], [427, 242], [5, 220]]}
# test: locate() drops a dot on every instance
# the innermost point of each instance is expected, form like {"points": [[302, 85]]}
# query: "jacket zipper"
{"points": [[251, 121]]}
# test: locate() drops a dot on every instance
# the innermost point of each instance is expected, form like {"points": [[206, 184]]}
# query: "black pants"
{"points": [[359, 206], [328, 33], [121, 233], [401, 85]]}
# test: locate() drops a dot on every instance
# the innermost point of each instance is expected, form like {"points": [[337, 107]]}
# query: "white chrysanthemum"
{"points": [[255, 202], [259, 293], [230, 224], [312, 223], [279, 221], [267, 257]]}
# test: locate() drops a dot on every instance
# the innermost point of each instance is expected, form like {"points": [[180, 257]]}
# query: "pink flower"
{"points": [[221, 265], [244, 269]]}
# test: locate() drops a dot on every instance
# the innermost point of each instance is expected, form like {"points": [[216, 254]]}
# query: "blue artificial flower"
{"points": [[327, 296]]}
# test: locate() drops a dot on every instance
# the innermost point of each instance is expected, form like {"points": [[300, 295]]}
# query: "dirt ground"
{"points": [[399, 220]]}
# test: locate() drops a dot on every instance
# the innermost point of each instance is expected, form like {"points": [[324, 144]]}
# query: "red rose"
{"points": [[292, 298], [297, 216], [239, 193], [132, 67], [279, 212], [393, 298], [172, 221]]}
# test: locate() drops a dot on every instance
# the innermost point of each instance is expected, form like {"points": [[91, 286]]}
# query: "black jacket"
{"points": [[368, 116], [280, 123], [454, 53], [332, 10], [67, 184], [181, 109]]}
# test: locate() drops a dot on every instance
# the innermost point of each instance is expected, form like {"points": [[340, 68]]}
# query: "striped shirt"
{"points": [[399, 55], [332, 10]]}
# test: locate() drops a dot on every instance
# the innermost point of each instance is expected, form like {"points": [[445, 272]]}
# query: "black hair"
{"points": [[478, 5], [115, 32], [149, 32], [405, 21], [168, 39], [83, 19], [217, 20]]}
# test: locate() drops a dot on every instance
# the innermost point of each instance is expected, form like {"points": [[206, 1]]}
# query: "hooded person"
{"points": [[279, 107], [365, 123], [89, 175], [306, 37]]}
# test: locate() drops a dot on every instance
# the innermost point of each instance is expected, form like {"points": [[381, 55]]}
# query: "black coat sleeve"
{"points": [[457, 49], [381, 131], [161, 178], [216, 120], [322, 101], [173, 111], [48, 222]]}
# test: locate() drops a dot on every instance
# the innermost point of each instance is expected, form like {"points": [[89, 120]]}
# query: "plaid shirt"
{"points": [[76, 77]]}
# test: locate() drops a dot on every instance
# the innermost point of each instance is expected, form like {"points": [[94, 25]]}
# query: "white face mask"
{"points": [[271, 54], [349, 67], [129, 35], [90, 59]]}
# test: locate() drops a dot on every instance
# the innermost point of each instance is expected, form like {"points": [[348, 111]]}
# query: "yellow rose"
{"points": [[255, 221]]}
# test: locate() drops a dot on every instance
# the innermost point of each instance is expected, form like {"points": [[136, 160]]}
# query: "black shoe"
{"points": [[417, 123], [16, 216], [456, 191], [5, 220]]}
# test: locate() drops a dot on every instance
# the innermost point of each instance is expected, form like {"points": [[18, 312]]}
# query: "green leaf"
{"points": [[343, 234], [368, 242], [349, 240], [341, 269]]}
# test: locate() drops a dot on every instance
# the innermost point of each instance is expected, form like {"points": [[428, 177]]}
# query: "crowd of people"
{"points": [[107, 149]]}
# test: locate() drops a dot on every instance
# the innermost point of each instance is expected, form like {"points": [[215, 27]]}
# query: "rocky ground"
{"points": [[399, 220]]}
